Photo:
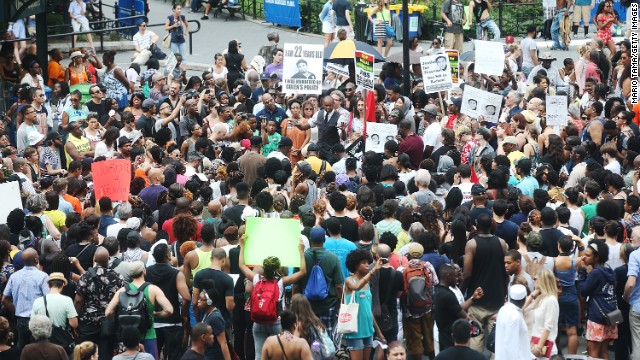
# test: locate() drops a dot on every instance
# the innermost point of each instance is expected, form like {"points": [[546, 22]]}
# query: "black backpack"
{"points": [[133, 310]]}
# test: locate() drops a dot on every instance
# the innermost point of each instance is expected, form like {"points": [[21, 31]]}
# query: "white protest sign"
{"points": [[477, 103], [436, 73], [302, 68], [171, 63], [364, 70], [337, 68], [489, 57], [556, 107], [10, 195], [378, 134]]}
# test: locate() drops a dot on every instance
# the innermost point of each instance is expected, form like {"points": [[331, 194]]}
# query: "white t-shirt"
{"points": [[431, 136], [143, 41], [613, 166], [465, 188], [102, 150], [132, 75], [527, 44]]}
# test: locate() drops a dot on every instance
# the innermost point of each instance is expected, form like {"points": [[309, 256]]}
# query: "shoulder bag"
{"points": [[388, 28], [59, 335], [348, 315]]}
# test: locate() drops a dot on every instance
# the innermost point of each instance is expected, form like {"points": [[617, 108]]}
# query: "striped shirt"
{"points": [[143, 41]]}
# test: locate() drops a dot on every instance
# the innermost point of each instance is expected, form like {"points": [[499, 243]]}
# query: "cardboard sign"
{"points": [[364, 70], [302, 68], [489, 56], [10, 195], [337, 68], [272, 237], [481, 104], [557, 112], [378, 134], [454, 63], [112, 179], [436, 73]]}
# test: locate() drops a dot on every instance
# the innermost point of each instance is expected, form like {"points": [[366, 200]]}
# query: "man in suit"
{"points": [[330, 128]]}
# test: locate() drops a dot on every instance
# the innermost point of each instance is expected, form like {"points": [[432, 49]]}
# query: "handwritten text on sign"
{"points": [[364, 70], [112, 178]]}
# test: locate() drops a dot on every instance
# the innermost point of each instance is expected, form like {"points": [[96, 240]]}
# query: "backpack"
{"points": [[418, 290], [264, 301], [132, 309], [534, 265], [316, 288]]}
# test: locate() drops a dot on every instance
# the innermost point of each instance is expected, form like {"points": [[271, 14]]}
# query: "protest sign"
{"points": [[436, 73], [272, 237], [378, 134], [364, 70], [477, 103], [557, 113], [10, 195], [489, 57], [171, 63], [454, 64], [302, 68], [282, 12], [112, 179], [342, 70]]}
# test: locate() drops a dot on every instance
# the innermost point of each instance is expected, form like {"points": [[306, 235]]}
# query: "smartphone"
{"points": [[384, 260], [112, 112]]}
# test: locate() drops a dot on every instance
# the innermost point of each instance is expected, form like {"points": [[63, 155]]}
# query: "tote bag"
{"points": [[348, 316]]}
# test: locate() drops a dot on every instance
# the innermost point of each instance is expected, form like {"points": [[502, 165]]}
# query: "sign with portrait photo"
{"points": [[378, 134], [302, 69], [481, 104], [436, 73]]}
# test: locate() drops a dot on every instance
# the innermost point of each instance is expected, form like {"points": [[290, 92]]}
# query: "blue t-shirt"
{"points": [[528, 185], [340, 247], [278, 115], [508, 231]]}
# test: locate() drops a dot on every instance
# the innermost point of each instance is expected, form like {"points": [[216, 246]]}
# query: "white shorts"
{"points": [[83, 25], [327, 27]]}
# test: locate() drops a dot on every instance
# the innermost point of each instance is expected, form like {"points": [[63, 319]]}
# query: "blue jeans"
{"points": [[490, 25], [181, 49], [195, 4], [555, 29], [261, 332]]}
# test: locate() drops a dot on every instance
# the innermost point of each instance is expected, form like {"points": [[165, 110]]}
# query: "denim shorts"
{"points": [[359, 344]]}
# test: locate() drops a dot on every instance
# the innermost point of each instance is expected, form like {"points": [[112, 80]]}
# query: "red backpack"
{"points": [[418, 290], [264, 301]]}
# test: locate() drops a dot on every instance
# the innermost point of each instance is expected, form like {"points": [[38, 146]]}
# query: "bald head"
{"points": [[183, 205], [214, 207], [384, 251], [30, 257], [156, 176], [636, 162], [101, 256]]}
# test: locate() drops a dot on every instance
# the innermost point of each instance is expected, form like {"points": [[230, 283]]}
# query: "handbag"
{"points": [[546, 348], [348, 316], [59, 335], [490, 341], [327, 349], [612, 318], [166, 42], [388, 28], [156, 52]]}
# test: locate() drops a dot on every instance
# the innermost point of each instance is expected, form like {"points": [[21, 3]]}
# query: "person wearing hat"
{"points": [[78, 146], [481, 149], [256, 96], [243, 96], [251, 160], [484, 268], [418, 330], [431, 129], [510, 148], [76, 73], [124, 147], [546, 60], [512, 339], [50, 158], [158, 81], [284, 148], [479, 202], [317, 164], [528, 184], [59, 308]]}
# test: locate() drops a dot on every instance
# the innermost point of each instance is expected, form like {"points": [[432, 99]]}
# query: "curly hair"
{"points": [[242, 131], [430, 219], [185, 227], [186, 247], [271, 266], [296, 201], [355, 257]]}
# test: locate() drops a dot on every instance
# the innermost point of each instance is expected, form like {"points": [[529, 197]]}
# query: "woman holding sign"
{"points": [[382, 25], [262, 328]]}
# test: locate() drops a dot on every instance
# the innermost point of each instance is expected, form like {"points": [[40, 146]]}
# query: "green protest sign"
{"points": [[272, 237]]}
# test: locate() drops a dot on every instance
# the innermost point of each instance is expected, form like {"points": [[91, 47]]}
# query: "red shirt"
{"points": [[591, 71], [168, 227], [413, 146]]}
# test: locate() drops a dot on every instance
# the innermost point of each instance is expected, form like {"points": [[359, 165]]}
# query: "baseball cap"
{"points": [[123, 140], [478, 189], [285, 141], [305, 168], [517, 292], [312, 147], [53, 135], [35, 137], [431, 109], [534, 239], [317, 235], [415, 250], [510, 140], [264, 76], [457, 102], [148, 104]]}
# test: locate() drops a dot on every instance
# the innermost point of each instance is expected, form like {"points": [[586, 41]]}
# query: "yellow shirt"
{"points": [[515, 155], [82, 145], [316, 164], [57, 217]]}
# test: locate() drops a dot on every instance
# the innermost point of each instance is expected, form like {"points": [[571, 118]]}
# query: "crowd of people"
{"points": [[462, 238]]}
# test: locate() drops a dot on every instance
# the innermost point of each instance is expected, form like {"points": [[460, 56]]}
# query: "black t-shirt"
{"points": [[550, 244], [192, 355], [224, 287], [84, 253], [100, 109], [349, 228], [145, 125], [458, 353], [445, 313], [217, 323], [235, 213], [390, 283]]}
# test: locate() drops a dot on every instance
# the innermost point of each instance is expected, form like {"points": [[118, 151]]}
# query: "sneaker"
{"points": [[205, 17]]}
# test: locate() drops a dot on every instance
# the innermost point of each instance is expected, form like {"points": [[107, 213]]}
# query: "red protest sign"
{"points": [[112, 178]]}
